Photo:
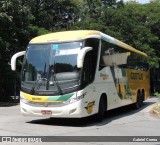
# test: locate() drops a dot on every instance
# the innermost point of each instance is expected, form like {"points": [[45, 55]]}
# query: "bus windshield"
{"points": [[51, 67]]}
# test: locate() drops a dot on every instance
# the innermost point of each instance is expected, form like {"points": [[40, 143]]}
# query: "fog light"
{"points": [[72, 111], [24, 110]]}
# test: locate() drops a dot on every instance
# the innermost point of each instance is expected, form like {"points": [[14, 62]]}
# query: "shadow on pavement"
{"points": [[90, 121], [8, 104]]}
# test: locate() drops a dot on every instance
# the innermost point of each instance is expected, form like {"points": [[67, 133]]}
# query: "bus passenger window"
{"points": [[113, 55]]}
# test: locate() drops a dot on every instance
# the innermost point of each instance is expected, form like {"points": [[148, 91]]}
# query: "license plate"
{"points": [[46, 112]]}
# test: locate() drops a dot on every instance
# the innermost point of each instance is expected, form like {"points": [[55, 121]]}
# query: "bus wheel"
{"points": [[101, 110], [142, 98], [138, 103]]}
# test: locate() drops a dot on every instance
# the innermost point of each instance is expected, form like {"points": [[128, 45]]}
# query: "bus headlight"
{"points": [[72, 100], [24, 100]]}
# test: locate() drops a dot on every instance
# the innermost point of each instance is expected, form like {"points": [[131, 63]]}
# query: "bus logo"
{"points": [[45, 104], [89, 107], [104, 76]]}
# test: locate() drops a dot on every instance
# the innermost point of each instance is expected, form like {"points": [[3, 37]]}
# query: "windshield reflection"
{"points": [[54, 63]]}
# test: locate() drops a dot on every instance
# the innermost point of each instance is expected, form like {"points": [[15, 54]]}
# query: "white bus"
{"points": [[75, 74]]}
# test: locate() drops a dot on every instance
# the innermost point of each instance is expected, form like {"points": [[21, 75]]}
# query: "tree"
{"points": [[133, 23], [15, 33], [53, 15], [13, 37], [22, 20], [137, 30]]}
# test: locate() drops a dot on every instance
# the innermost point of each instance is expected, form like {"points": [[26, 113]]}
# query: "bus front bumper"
{"points": [[73, 110]]}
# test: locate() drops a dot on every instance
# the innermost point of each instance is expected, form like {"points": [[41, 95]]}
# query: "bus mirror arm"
{"points": [[14, 57], [81, 55]]}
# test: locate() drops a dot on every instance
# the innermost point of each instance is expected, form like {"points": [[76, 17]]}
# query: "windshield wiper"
{"points": [[32, 91]]}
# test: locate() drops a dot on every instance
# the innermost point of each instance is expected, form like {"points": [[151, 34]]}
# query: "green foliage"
{"points": [[157, 94], [53, 15], [21, 20], [136, 24], [15, 33], [36, 31]]}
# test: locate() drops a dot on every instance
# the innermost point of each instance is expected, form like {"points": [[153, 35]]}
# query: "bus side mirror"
{"points": [[14, 57], [81, 55]]}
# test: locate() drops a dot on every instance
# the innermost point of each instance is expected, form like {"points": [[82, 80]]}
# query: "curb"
{"points": [[154, 109]]}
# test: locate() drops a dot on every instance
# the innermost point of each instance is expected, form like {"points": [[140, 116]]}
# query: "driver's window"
{"points": [[90, 61]]}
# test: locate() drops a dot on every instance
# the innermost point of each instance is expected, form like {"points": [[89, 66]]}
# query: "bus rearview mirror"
{"points": [[14, 58], [81, 55]]}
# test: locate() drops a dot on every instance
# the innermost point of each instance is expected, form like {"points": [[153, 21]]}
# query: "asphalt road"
{"points": [[123, 121]]}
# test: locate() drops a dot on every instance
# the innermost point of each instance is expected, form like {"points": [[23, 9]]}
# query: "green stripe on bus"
{"points": [[60, 97]]}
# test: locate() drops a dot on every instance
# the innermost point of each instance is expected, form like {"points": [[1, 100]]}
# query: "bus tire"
{"points": [[138, 103], [142, 97], [101, 110]]}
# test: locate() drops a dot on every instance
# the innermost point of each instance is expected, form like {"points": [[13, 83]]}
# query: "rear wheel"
{"points": [[142, 97], [139, 101], [101, 110]]}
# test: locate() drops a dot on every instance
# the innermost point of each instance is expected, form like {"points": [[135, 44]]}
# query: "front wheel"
{"points": [[101, 111]]}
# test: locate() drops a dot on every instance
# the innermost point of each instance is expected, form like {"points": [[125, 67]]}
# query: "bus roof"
{"points": [[76, 35], [64, 36]]}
